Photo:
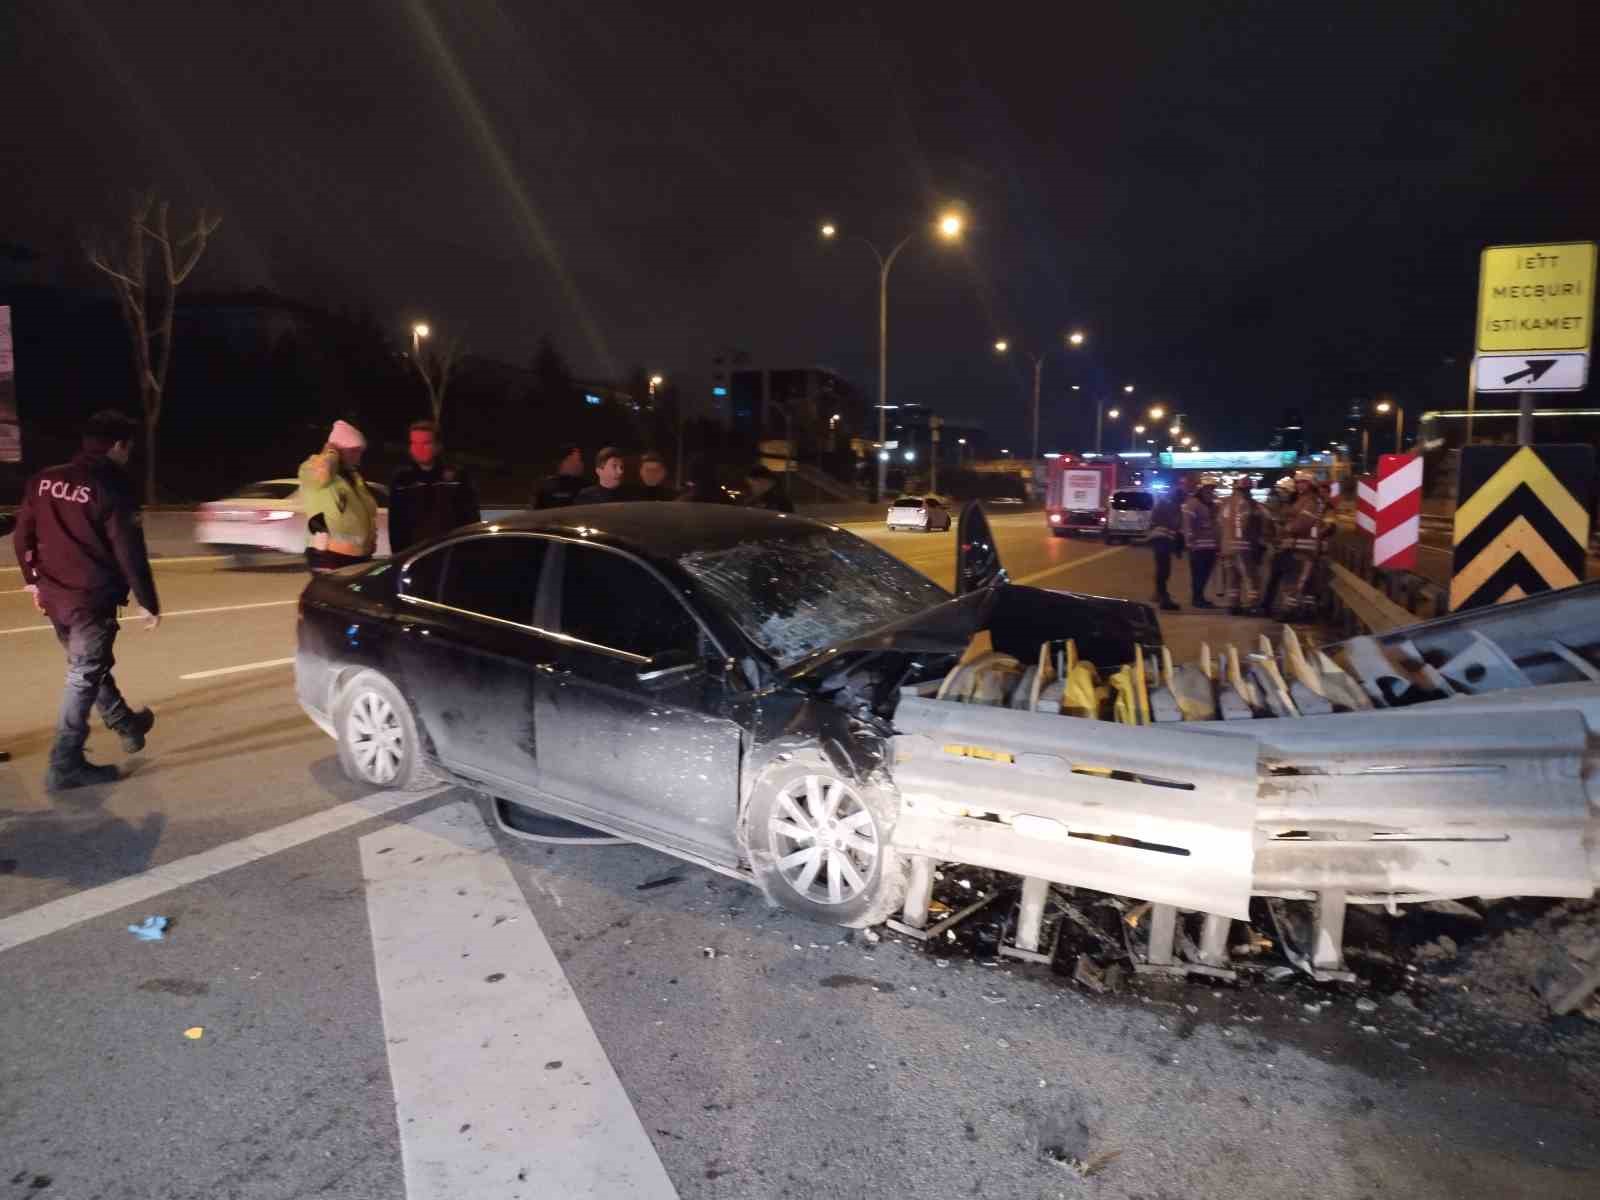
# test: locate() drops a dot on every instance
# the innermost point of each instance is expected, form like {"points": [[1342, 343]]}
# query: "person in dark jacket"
{"points": [[430, 496], [611, 470], [80, 543], [558, 490], [653, 483], [764, 490], [1166, 540]]}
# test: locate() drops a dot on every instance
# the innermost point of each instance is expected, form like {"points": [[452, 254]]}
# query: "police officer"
{"points": [[81, 547], [429, 496], [1166, 541]]}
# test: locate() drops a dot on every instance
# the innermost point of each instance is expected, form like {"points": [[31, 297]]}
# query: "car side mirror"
{"points": [[669, 667]]}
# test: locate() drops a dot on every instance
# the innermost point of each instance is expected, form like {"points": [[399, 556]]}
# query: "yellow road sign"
{"points": [[1536, 297], [1522, 522]]}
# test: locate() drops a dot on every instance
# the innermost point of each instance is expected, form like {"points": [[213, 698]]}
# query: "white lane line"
{"points": [[255, 666], [1067, 566], [498, 1075], [182, 612], [83, 906], [158, 561]]}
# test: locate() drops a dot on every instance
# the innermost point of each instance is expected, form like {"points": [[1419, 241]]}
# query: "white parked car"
{"points": [[1130, 515], [927, 513], [267, 517]]}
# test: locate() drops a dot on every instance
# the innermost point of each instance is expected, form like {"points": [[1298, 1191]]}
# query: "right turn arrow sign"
{"points": [[1534, 369]]}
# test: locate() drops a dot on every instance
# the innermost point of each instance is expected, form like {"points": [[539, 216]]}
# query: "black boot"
{"points": [[132, 730], [66, 774], [1168, 604]]}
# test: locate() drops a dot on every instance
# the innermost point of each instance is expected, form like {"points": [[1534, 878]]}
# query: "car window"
{"points": [[266, 491], [494, 576], [612, 601], [423, 575], [1133, 501], [907, 502]]}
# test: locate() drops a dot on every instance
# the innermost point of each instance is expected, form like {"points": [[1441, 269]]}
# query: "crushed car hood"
{"points": [[1018, 619]]}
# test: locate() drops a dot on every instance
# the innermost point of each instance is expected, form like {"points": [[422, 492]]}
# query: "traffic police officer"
{"points": [[81, 547]]}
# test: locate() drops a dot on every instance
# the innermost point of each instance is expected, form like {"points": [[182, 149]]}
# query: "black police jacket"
{"points": [[425, 502], [79, 537]]}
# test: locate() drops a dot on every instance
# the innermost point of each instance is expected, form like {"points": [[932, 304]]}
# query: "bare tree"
{"points": [[148, 311], [436, 368]]}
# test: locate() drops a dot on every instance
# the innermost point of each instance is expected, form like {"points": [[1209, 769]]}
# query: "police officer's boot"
{"points": [[132, 730], [69, 769]]}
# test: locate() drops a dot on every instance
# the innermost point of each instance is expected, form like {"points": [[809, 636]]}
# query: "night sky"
{"points": [[1246, 206]]}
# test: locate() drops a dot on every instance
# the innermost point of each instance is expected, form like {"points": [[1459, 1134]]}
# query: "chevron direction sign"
{"points": [[1397, 512], [1366, 501], [1522, 521]]}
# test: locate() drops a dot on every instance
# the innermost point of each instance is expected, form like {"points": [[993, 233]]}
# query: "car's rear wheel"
{"points": [[819, 843], [378, 739]]}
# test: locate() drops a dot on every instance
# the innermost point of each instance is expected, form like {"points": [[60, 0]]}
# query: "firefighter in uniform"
{"points": [[81, 546], [1305, 534], [1200, 539], [1239, 521]]}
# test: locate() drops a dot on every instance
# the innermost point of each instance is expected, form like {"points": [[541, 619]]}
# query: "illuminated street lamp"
{"points": [[1114, 413], [1136, 431], [1176, 430], [1071, 340], [1128, 387], [949, 229], [418, 331], [1157, 413], [1383, 406], [1187, 440]]}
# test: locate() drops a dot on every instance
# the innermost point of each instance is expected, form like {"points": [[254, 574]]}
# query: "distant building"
{"points": [[823, 410]]}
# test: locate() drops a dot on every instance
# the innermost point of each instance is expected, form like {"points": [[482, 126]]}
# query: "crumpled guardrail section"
{"points": [[1475, 771]]}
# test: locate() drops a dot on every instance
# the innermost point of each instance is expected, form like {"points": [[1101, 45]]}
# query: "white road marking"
{"points": [[255, 666], [182, 612], [158, 561], [72, 910], [1067, 566], [498, 1075]]}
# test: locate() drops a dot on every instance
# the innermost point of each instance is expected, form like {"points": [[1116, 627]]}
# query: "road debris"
{"points": [[195, 1032], [151, 929]]}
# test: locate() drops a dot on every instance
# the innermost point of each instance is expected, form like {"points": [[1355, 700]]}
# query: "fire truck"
{"points": [[1077, 494]]}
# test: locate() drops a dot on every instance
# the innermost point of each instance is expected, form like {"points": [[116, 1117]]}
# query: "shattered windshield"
{"points": [[796, 595]]}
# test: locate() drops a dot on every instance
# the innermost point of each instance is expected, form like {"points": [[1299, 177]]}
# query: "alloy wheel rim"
{"points": [[377, 740], [825, 840]]}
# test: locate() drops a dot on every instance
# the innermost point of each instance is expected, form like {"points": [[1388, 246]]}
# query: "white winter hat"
{"points": [[346, 436]]}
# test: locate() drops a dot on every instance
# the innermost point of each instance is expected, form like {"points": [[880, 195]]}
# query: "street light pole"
{"points": [[949, 228], [1038, 370]]}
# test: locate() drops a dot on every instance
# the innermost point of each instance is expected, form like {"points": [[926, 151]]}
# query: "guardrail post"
{"points": [[1163, 935], [1030, 913], [919, 892], [1214, 939], [1327, 948]]}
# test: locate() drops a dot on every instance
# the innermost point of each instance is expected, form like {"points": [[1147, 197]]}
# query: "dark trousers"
{"points": [[87, 635], [1200, 564], [1162, 549], [1282, 560]]}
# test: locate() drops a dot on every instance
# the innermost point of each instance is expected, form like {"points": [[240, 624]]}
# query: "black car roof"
{"points": [[657, 529]]}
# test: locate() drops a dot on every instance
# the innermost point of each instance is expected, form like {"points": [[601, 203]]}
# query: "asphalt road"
{"points": [[393, 1001]]}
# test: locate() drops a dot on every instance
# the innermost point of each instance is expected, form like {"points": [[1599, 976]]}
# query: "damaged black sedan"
{"points": [[717, 683]]}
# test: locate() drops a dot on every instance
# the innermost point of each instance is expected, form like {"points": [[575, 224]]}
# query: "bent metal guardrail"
{"points": [[1471, 769]]}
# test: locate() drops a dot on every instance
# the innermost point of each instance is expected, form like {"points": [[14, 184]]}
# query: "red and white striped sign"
{"points": [[1366, 504], [1398, 512]]}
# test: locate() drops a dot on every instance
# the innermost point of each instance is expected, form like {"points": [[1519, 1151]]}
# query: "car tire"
{"points": [[859, 879], [379, 743]]}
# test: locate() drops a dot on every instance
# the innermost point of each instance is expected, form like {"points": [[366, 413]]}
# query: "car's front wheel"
{"points": [[378, 739], [819, 843]]}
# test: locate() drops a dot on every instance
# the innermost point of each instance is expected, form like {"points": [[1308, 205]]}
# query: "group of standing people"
{"points": [[571, 484], [430, 495], [1238, 534]]}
